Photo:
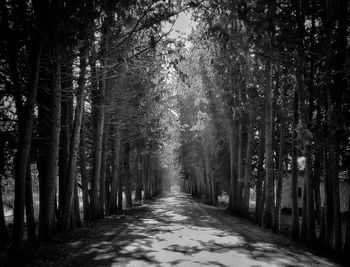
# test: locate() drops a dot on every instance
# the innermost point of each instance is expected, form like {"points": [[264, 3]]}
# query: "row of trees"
{"points": [[263, 84], [82, 103]]}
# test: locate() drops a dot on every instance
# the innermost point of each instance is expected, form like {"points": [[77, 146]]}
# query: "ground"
{"points": [[174, 230]]}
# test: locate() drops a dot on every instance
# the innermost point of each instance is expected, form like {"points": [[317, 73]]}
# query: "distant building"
{"points": [[344, 191]]}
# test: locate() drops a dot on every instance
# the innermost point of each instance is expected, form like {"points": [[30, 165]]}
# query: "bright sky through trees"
{"points": [[182, 26]]}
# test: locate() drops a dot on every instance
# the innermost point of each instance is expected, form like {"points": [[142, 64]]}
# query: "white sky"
{"points": [[182, 27]]}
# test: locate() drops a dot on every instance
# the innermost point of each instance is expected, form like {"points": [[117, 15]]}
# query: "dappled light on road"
{"points": [[177, 231]]}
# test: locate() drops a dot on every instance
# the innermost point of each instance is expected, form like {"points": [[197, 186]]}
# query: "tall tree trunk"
{"points": [[76, 206], [335, 97], [240, 144], [260, 173], [74, 149], [47, 179], [138, 191], [248, 164], [207, 175], [66, 128], [269, 183], [304, 115], [317, 178], [4, 235], [334, 172], [295, 210], [83, 174], [146, 176], [99, 110], [347, 235], [108, 184], [31, 227], [233, 163], [318, 169], [127, 175], [24, 150], [328, 201], [121, 176], [116, 173], [280, 170], [104, 158], [332, 214]]}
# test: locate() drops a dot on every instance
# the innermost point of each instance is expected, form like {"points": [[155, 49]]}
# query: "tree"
{"points": [[72, 165]]}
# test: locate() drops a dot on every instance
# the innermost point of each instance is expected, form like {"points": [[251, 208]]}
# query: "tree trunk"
{"points": [[138, 191], [108, 184], [269, 183], [304, 115], [104, 156], [248, 164], [31, 227], [239, 197], [233, 163], [47, 179], [347, 235], [23, 152], [83, 174], [303, 216], [207, 175], [121, 176], [66, 129], [318, 151], [318, 172], [146, 177], [4, 236], [333, 173], [335, 99], [127, 176], [280, 171], [260, 173], [76, 206], [74, 149], [295, 210], [99, 115], [116, 173]]}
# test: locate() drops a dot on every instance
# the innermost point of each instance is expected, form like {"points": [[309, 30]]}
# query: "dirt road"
{"points": [[176, 231]]}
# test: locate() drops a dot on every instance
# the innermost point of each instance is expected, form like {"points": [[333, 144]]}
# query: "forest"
{"points": [[102, 108]]}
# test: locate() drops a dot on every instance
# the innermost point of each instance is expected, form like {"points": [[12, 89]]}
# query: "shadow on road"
{"points": [[177, 231]]}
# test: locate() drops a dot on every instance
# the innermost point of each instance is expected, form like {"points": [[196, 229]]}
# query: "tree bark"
{"points": [[4, 235], [146, 177], [121, 176], [280, 171], [74, 149], [347, 235], [47, 179], [127, 177], [99, 115], [76, 206], [248, 164], [66, 129], [269, 183], [239, 197], [233, 163], [260, 173], [116, 172], [83, 174], [295, 210], [138, 191], [306, 137], [104, 156], [31, 226], [23, 152], [335, 97]]}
